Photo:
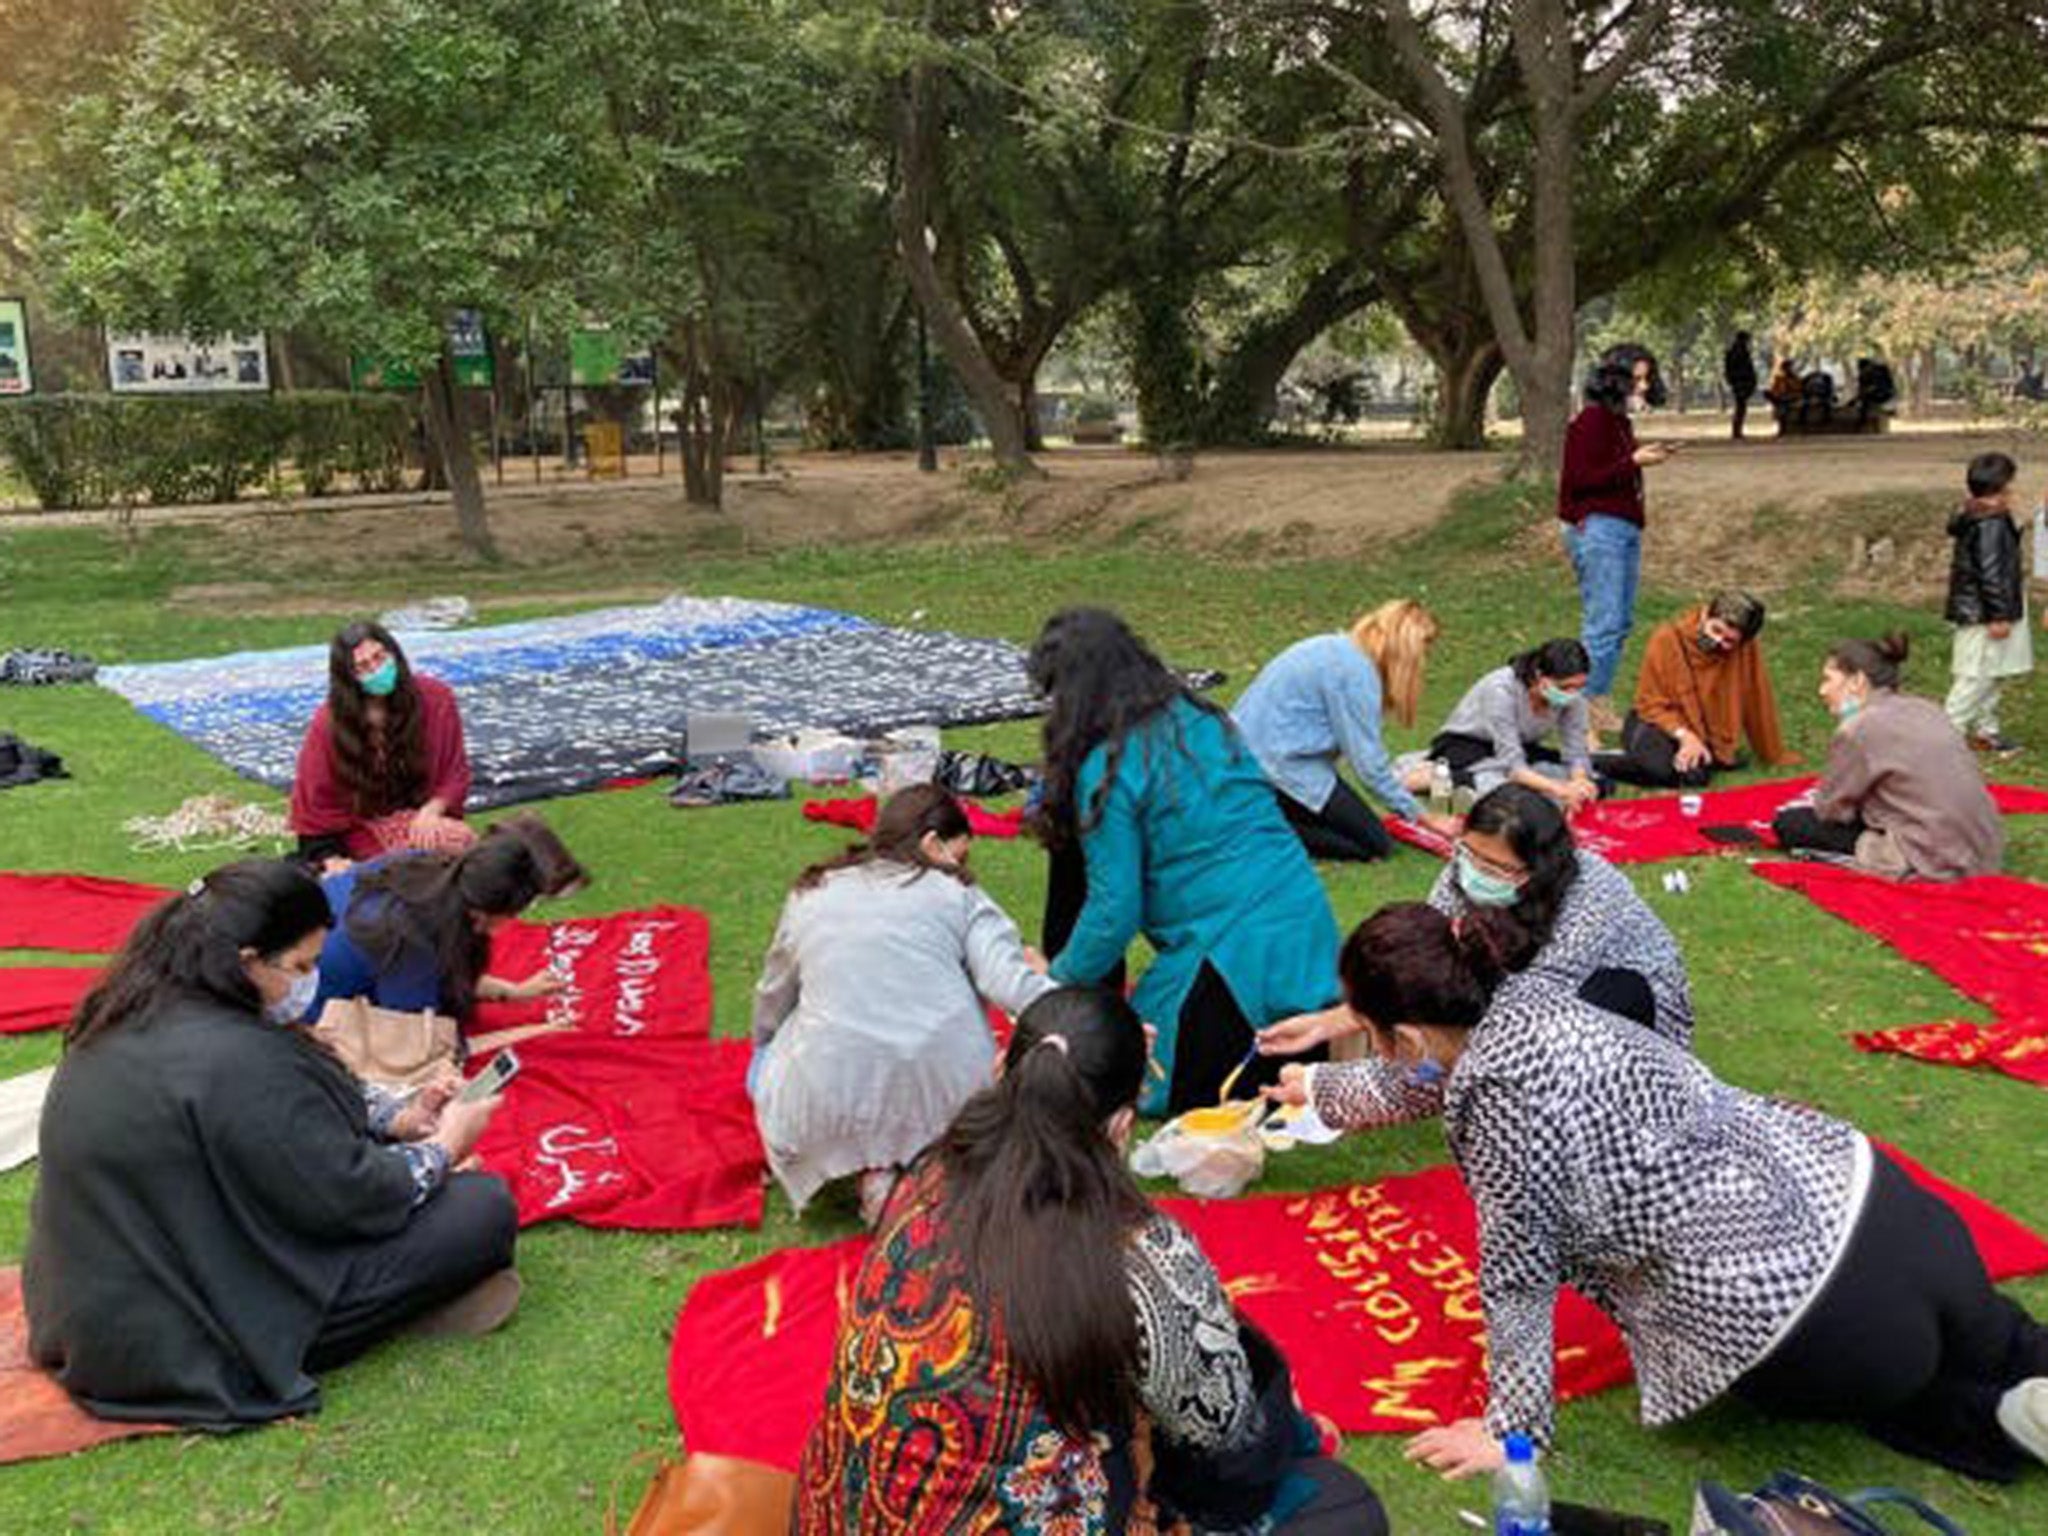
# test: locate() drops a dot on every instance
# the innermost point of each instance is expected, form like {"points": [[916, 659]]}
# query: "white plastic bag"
{"points": [[1212, 1153]]}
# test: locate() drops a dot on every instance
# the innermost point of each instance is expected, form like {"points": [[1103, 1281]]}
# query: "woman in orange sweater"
{"points": [[1703, 690]]}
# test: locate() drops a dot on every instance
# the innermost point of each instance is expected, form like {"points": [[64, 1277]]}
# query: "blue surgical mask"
{"points": [[1481, 888], [1848, 708], [382, 681], [1426, 1073], [1558, 698], [292, 1007]]}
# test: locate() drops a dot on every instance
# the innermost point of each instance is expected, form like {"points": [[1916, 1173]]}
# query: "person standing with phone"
{"points": [[1600, 503]]}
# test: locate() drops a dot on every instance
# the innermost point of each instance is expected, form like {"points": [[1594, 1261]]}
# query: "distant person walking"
{"points": [[1600, 503], [1738, 368], [1987, 604]]}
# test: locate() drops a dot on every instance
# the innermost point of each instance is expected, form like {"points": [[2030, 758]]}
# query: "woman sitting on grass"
{"points": [[1902, 795], [1024, 1316], [1160, 822], [1742, 1244], [1496, 735], [1321, 700], [383, 765], [870, 1018], [412, 931], [220, 1214], [1567, 915]]}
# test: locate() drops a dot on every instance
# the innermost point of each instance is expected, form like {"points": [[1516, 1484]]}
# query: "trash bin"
{"points": [[604, 450]]}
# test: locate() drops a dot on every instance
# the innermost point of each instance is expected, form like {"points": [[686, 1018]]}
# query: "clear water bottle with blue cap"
{"points": [[1521, 1501]]}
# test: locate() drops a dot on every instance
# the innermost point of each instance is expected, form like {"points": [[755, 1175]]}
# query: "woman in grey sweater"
{"points": [[870, 1024], [1741, 1244], [1496, 735]]}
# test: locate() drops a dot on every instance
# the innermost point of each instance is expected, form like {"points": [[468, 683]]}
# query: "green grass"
{"points": [[532, 1429]]}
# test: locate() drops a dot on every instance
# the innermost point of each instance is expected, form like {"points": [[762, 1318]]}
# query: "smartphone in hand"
{"points": [[502, 1069]]}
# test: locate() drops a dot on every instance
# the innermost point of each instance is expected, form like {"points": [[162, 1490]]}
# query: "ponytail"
{"points": [[1878, 660], [1410, 964], [1039, 1208]]}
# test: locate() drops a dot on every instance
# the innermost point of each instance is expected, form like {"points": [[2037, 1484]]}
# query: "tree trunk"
{"points": [[1467, 368], [1920, 383], [991, 398], [700, 420], [1027, 408], [457, 456], [1245, 397]]}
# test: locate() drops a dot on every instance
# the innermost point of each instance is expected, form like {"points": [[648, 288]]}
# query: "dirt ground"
{"points": [[1869, 511]]}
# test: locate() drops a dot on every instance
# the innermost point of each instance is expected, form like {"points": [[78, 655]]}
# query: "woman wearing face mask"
{"points": [[1744, 1245], [382, 766], [1600, 503], [1702, 691], [1902, 794], [1567, 916], [870, 1021], [219, 1213], [413, 930], [1497, 733], [1027, 1333]]}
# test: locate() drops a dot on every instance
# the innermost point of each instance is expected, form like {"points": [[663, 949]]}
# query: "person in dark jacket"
{"points": [[1987, 602], [1738, 368], [1875, 388], [1600, 503], [223, 1210]]}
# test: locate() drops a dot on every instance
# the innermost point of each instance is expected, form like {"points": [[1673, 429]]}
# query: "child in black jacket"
{"points": [[1987, 602]]}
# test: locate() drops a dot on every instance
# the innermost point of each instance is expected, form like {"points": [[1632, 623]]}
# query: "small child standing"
{"points": [[1987, 602]]}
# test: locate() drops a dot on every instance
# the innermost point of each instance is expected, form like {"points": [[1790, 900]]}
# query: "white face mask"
{"points": [[292, 1007]]}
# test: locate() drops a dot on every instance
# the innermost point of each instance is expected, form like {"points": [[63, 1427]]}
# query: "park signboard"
{"points": [[15, 376], [598, 356], [469, 353], [166, 363]]}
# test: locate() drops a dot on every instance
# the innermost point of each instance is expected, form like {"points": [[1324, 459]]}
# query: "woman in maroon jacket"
{"points": [[383, 765], [1600, 502]]}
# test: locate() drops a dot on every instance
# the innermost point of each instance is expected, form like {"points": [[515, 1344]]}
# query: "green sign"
{"points": [[15, 378], [469, 352], [598, 356]]}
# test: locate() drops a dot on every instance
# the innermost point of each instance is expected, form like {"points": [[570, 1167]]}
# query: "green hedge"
{"points": [[116, 450]]}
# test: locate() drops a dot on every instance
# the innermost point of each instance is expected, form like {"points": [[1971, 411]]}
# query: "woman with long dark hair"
{"points": [[1744, 1245], [1023, 1294], [1902, 794], [383, 765], [1500, 730], [1600, 503], [1565, 914], [413, 930], [1160, 822], [870, 1018], [221, 1212]]}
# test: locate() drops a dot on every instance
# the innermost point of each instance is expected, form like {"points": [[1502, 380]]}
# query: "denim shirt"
{"points": [[1316, 701]]}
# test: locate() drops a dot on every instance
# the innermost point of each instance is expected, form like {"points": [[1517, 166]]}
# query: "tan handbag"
{"points": [[384, 1046]]}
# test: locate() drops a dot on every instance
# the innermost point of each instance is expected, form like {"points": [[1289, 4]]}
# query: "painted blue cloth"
{"points": [[1317, 700], [1607, 558], [1191, 850], [346, 970]]}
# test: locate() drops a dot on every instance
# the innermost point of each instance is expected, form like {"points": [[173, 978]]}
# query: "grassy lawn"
{"points": [[534, 1428]]}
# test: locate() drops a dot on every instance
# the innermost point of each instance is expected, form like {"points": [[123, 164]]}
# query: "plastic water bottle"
{"points": [[1440, 788], [1521, 1502]]}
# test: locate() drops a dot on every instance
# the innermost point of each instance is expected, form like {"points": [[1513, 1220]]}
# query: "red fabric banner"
{"points": [[1652, 827], [652, 1134], [858, 812], [1987, 937], [41, 996], [1370, 1290], [37, 1416], [644, 973], [78, 914]]}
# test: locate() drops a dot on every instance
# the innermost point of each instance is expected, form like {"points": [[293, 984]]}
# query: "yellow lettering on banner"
{"points": [[1391, 1394], [1464, 1306], [771, 1316], [2020, 1050], [1447, 1262], [1253, 1285]]}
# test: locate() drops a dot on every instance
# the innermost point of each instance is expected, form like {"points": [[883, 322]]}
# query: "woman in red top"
{"points": [[1600, 502], [383, 765]]}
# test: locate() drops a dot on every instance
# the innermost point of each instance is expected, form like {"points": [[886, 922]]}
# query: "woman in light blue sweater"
{"points": [[1322, 700], [1160, 822]]}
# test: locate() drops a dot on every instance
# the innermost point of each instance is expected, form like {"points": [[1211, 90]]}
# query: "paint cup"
{"points": [[1689, 805]]}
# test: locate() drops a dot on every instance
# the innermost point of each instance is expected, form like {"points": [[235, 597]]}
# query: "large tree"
{"points": [[357, 170]]}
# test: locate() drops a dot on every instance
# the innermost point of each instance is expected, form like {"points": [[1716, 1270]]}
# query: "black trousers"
{"points": [[1802, 827], [1908, 1339], [457, 1238], [1649, 757], [1741, 412], [1462, 752], [1344, 1505], [1066, 892], [1345, 828]]}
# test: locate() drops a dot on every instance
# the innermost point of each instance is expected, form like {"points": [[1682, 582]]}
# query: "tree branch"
{"points": [[1598, 83]]}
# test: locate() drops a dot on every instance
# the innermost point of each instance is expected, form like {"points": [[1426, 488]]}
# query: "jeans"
{"points": [[1607, 556]]}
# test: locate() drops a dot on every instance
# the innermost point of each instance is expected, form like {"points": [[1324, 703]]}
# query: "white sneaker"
{"points": [[2023, 1415]]}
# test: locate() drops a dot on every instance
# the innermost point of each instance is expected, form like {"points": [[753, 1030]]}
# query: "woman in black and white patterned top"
{"points": [[1740, 1243]]}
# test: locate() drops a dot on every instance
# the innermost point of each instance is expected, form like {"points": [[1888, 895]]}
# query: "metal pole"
{"points": [[660, 442], [532, 425], [760, 427], [927, 441]]}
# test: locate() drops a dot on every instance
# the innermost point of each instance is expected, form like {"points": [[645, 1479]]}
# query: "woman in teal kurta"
{"points": [[1161, 822]]}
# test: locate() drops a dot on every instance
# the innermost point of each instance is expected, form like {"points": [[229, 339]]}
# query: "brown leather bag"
{"points": [[713, 1496], [384, 1046]]}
